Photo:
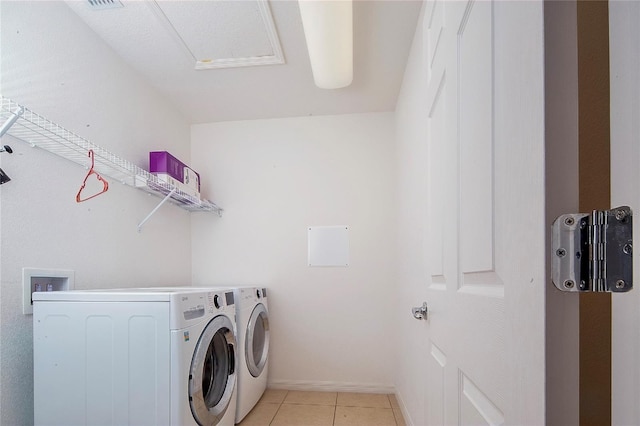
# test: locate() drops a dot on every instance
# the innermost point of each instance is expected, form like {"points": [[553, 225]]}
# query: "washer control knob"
{"points": [[258, 293], [216, 301]]}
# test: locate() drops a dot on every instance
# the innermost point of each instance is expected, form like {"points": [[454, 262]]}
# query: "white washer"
{"points": [[154, 356], [252, 317]]}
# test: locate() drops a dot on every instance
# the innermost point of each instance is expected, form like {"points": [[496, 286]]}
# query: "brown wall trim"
{"points": [[594, 193]]}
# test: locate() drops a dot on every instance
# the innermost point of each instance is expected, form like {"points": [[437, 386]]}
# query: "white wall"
{"points": [[332, 327], [53, 64], [411, 209]]}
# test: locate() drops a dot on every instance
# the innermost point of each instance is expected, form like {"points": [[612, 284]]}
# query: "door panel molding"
{"points": [[479, 400], [437, 136], [435, 391], [475, 130]]}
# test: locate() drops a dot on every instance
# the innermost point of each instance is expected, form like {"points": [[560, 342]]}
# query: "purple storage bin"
{"points": [[163, 162]]}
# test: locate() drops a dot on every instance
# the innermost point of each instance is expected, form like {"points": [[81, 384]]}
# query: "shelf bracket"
{"points": [[11, 121], [164, 200]]}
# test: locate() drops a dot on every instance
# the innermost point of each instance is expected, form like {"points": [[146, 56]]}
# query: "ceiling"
{"points": [[225, 60]]}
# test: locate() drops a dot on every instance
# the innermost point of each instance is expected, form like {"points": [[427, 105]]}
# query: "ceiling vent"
{"points": [[104, 4]]}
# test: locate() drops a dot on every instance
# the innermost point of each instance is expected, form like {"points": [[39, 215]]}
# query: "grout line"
{"points": [[397, 414], [395, 419], [334, 414], [279, 406]]}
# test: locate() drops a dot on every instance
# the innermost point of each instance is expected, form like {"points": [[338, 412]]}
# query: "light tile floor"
{"points": [[296, 408]]}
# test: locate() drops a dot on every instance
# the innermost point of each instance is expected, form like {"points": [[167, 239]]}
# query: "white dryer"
{"points": [[252, 317], [161, 356]]}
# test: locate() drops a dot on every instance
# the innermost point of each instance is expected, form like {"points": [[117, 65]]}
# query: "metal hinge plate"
{"points": [[593, 252]]}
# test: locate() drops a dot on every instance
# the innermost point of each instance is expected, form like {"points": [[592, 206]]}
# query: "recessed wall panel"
{"points": [[100, 364], [142, 358]]}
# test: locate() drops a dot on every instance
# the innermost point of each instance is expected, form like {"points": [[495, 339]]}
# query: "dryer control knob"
{"points": [[216, 301], [258, 293]]}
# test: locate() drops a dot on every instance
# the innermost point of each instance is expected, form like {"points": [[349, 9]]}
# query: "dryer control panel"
{"points": [[252, 294]]}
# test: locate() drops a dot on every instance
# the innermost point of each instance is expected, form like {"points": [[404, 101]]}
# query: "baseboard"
{"points": [[302, 385], [403, 408]]}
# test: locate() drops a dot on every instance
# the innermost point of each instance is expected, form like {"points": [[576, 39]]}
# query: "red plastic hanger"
{"points": [[105, 184]]}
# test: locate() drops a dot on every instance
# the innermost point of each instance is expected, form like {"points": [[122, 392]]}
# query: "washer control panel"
{"points": [[193, 312], [197, 304]]}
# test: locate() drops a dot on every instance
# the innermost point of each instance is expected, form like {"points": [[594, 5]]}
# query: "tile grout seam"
{"points": [[279, 406]]}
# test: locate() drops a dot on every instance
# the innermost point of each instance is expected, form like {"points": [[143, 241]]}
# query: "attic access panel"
{"points": [[328, 245], [222, 34]]}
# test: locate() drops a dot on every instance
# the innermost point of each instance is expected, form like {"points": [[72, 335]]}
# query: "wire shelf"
{"points": [[34, 129]]}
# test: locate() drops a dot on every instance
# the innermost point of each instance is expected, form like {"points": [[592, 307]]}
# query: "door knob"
{"points": [[420, 313]]}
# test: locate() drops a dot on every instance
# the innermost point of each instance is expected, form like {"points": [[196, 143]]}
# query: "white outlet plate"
{"points": [[38, 279]]}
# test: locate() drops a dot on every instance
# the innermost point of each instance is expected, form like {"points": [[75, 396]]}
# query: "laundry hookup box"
{"points": [[169, 169]]}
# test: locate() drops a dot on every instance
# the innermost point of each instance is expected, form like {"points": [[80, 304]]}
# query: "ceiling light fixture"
{"points": [[328, 29]]}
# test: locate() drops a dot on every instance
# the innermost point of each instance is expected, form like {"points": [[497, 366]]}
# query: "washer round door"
{"points": [[212, 377], [256, 345]]}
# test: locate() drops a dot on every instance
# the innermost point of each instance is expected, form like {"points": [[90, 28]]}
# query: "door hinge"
{"points": [[593, 251]]}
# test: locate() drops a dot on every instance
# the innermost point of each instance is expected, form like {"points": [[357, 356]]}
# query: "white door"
{"points": [[486, 237], [624, 57]]}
